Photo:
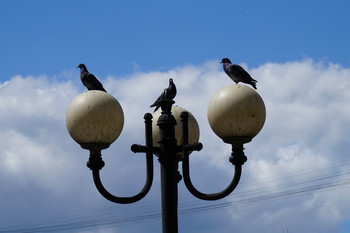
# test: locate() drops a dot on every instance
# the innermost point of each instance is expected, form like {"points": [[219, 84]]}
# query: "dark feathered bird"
{"points": [[237, 73], [168, 94], [89, 80]]}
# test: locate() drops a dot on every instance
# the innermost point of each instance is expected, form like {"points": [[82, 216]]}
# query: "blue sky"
{"points": [[297, 50], [119, 36]]}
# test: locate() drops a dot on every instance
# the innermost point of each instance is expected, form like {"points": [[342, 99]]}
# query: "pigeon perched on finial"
{"points": [[89, 80], [168, 94], [237, 73]]}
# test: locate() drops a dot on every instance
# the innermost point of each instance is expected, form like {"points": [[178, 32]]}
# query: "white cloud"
{"points": [[304, 139]]}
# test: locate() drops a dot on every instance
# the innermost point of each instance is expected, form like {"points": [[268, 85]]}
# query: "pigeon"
{"points": [[168, 94], [237, 73], [89, 80]]}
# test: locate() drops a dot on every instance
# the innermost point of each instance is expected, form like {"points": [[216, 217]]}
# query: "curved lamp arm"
{"points": [[96, 163], [237, 158]]}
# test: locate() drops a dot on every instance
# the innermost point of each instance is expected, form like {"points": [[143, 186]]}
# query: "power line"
{"points": [[249, 195]]}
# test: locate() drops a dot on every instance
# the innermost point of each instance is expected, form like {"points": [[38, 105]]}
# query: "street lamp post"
{"points": [[236, 114]]}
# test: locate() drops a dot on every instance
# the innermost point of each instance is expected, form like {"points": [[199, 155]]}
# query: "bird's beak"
{"points": [[221, 62], [78, 67]]}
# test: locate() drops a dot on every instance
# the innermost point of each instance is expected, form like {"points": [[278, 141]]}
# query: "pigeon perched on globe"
{"points": [[237, 73], [168, 94], [89, 80]]}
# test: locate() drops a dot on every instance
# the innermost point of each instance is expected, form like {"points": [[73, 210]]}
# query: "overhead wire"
{"points": [[290, 185]]}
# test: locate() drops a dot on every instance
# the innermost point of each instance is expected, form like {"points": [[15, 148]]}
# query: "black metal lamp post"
{"points": [[236, 113]]}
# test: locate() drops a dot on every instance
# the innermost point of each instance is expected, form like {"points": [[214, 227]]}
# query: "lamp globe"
{"points": [[193, 128], [94, 119], [236, 113]]}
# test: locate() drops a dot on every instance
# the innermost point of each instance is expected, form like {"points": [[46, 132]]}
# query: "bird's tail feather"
{"points": [[253, 85], [156, 109]]}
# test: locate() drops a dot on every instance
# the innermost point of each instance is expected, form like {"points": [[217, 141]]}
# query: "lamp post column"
{"points": [[168, 168]]}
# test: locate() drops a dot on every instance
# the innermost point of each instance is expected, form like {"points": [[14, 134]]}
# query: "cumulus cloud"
{"points": [[304, 135], [299, 153]]}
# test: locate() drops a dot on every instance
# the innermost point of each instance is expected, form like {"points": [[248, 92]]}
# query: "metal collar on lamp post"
{"points": [[236, 114]]}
